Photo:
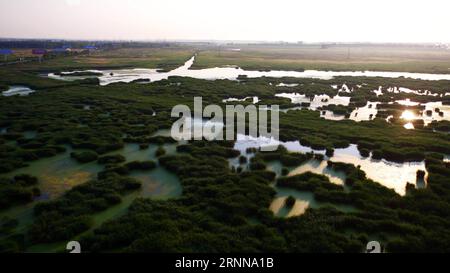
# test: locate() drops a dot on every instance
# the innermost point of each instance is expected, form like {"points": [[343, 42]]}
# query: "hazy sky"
{"points": [[288, 20]]}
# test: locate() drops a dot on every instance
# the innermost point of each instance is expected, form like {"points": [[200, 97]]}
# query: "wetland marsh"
{"points": [[93, 160]]}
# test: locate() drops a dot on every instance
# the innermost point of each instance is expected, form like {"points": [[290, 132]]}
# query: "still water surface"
{"points": [[232, 73]]}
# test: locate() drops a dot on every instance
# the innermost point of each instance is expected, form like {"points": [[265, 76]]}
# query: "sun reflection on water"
{"points": [[409, 126], [408, 115]]}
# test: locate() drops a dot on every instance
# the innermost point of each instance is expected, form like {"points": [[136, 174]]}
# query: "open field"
{"points": [[162, 58], [338, 58], [25, 54]]}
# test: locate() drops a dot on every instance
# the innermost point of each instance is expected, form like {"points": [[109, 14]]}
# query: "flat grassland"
{"points": [[161, 58], [336, 58]]}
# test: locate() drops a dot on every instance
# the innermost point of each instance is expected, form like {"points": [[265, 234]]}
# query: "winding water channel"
{"points": [[232, 73]]}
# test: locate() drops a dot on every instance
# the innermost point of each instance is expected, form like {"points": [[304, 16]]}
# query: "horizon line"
{"points": [[237, 41]]}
